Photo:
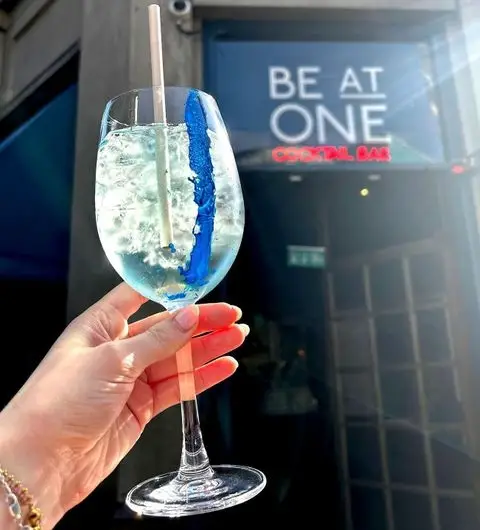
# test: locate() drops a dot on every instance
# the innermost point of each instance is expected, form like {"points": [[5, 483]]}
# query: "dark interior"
{"points": [[374, 221]]}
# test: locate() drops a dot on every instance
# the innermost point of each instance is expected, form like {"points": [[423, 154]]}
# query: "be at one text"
{"points": [[357, 116]]}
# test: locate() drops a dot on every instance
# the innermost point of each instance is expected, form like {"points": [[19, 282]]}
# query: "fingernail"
{"points": [[245, 329], [187, 318], [238, 311]]}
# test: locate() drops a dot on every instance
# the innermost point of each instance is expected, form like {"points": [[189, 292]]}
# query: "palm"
{"points": [[123, 433]]}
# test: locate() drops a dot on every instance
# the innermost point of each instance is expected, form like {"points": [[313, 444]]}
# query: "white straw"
{"points": [[160, 116]]}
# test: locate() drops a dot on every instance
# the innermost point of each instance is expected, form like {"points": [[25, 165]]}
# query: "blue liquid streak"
{"points": [[175, 297], [197, 271]]}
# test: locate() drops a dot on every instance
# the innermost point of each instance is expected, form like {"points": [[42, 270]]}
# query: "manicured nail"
{"points": [[238, 311], [187, 318], [245, 329]]}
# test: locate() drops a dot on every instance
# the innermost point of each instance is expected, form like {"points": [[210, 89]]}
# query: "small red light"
{"points": [[458, 170]]}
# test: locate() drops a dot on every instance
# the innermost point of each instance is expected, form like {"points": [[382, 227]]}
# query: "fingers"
{"points": [[167, 393], [122, 299], [204, 349], [211, 317], [158, 342], [107, 319]]}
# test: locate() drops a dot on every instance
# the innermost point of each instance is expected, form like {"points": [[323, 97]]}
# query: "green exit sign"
{"points": [[306, 257]]}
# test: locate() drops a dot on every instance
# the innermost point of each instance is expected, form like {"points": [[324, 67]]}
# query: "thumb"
{"points": [[160, 341]]}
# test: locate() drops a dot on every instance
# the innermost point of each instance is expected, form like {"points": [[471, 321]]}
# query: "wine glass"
{"points": [[150, 174]]}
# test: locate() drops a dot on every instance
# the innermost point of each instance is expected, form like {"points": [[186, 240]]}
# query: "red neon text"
{"points": [[330, 153]]}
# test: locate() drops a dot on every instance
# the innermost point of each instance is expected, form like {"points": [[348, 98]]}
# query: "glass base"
{"points": [[171, 496]]}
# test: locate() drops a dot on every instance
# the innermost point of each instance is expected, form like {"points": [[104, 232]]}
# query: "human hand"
{"points": [[101, 383]]}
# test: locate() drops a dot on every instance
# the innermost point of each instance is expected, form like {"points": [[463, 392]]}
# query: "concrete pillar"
{"points": [[470, 17], [465, 61], [4, 24], [114, 59]]}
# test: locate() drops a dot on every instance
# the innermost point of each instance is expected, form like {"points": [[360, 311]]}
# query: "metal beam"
{"points": [[403, 5]]}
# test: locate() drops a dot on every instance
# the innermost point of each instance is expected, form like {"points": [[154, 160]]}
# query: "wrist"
{"points": [[34, 469], [7, 522]]}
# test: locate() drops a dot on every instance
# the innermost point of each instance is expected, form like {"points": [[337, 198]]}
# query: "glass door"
{"points": [[396, 356], [281, 411]]}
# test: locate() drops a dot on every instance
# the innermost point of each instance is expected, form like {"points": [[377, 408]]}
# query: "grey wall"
{"points": [[40, 36]]}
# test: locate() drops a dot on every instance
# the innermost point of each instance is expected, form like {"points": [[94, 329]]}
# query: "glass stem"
{"points": [[194, 463]]}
